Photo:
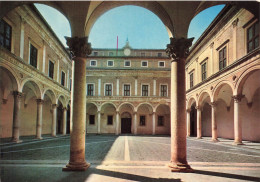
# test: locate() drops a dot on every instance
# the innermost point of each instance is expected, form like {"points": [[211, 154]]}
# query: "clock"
{"points": [[127, 51]]}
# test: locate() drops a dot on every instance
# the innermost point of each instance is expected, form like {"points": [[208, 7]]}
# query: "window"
{"points": [[143, 54], [95, 53], [142, 120], [191, 80], [222, 58], [163, 90], [90, 89], [127, 90], [159, 54], [127, 63], [253, 37], [62, 78], [108, 90], [92, 119], [160, 120], [111, 53], [5, 35], [51, 69], [93, 63], [109, 120], [144, 63], [203, 71], [161, 64], [33, 56], [70, 83], [110, 63], [144, 90]]}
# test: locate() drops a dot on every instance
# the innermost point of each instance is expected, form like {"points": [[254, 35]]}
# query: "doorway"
{"points": [[193, 121], [126, 122]]}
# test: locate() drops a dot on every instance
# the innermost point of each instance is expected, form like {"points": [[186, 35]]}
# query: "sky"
{"points": [[147, 32]]}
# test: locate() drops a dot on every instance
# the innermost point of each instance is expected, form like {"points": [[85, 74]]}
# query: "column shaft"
{"points": [[237, 122], [198, 123], [135, 123], [153, 123], [99, 120], [117, 123], [54, 120], [214, 123], [39, 119], [64, 121], [17, 117], [188, 123]]}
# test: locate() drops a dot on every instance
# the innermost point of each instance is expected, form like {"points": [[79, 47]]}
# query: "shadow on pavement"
{"points": [[227, 175]]}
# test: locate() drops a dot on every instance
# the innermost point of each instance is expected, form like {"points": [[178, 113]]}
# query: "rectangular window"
{"points": [[127, 90], [51, 69], [110, 63], [191, 80], [142, 120], [142, 54], [5, 35], [95, 53], [93, 63], [203, 71], [144, 63], [163, 90], [159, 54], [222, 58], [161, 64], [144, 90], [62, 78], [160, 120], [33, 56], [92, 119], [127, 63], [111, 53], [108, 90], [253, 37], [109, 120], [90, 89]]}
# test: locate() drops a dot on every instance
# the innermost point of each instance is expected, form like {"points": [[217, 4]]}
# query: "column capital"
{"points": [[79, 47], [237, 98], [64, 108], [198, 107], [235, 22], [54, 106], [39, 101], [178, 48], [211, 45], [188, 110], [213, 104], [18, 94]]}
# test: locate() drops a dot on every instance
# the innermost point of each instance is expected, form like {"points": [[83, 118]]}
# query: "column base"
{"points": [[15, 140], [199, 137], [179, 167], [237, 143], [75, 166], [215, 140], [39, 138]]}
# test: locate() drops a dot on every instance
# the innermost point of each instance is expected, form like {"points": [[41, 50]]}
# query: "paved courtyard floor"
{"points": [[128, 158]]}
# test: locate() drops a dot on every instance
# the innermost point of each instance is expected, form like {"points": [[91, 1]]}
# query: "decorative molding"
{"points": [[235, 22]]}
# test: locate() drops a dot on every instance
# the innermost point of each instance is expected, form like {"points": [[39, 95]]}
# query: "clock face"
{"points": [[127, 52]]}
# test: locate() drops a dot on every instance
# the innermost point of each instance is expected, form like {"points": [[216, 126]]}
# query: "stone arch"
{"points": [[105, 103], [154, 7], [191, 100], [220, 86], [150, 106], [203, 98], [8, 80], [62, 99], [127, 103], [50, 94]]}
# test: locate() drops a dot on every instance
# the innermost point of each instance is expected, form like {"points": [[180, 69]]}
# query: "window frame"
{"points": [[191, 81], [161, 62], [144, 62], [30, 56], [222, 58], [159, 54], [146, 91], [127, 90], [105, 89], [254, 36], [4, 35], [64, 78], [110, 53], [89, 119], [158, 120], [203, 70], [108, 120], [93, 61], [161, 95], [93, 91], [127, 61], [50, 61], [110, 61], [142, 122]]}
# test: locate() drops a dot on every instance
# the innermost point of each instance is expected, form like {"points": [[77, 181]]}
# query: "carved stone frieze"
{"points": [[178, 48], [79, 47]]}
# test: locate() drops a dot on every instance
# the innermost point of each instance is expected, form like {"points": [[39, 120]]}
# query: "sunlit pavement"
{"points": [[128, 158]]}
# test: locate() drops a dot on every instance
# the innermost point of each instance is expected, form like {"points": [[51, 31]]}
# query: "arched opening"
{"points": [[144, 119], [204, 102], [92, 118], [49, 99], [126, 122], [162, 120], [59, 125], [8, 85], [68, 120], [193, 120], [108, 118]]}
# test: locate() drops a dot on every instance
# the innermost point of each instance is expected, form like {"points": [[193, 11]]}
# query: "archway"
{"points": [[68, 120], [144, 119], [92, 118], [108, 118], [126, 123], [193, 120], [163, 120]]}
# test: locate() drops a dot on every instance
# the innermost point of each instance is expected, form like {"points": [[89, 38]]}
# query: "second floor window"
{"points": [[222, 58], [144, 64], [90, 90], [127, 63], [110, 63], [161, 64], [253, 37], [127, 90], [143, 54], [5, 35], [203, 71], [108, 90], [142, 120], [95, 53], [144, 90], [62, 78], [164, 90], [93, 63], [92, 119], [191, 80], [33, 56], [51, 69]]}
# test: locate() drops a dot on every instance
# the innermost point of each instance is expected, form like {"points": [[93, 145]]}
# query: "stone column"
{"points": [[17, 116], [64, 121], [54, 120], [99, 121], [135, 123], [80, 48], [39, 119], [237, 121], [198, 122], [177, 50], [213, 122], [153, 123], [117, 123], [188, 122]]}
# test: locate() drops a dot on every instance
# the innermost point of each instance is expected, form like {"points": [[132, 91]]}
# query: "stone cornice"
{"points": [[129, 99]]}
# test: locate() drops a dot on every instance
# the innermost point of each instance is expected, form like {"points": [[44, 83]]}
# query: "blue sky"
{"points": [[146, 32]]}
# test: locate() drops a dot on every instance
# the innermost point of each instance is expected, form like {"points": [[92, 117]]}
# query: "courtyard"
{"points": [[128, 158]]}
